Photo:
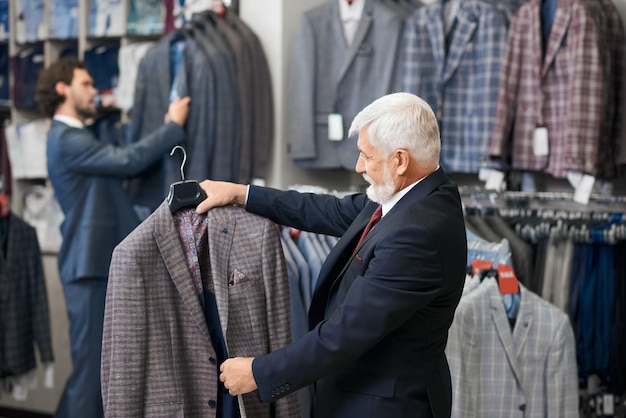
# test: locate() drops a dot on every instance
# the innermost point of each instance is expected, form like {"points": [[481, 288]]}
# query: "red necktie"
{"points": [[378, 213]]}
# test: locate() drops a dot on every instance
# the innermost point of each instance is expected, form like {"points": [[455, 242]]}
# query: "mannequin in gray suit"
{"points": [[87, 176]]}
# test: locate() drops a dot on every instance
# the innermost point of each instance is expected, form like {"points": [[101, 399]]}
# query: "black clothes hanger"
{"points": [[184, 193]]}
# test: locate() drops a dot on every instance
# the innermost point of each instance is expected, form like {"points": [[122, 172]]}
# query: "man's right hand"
{"points": [[178, 111], [222, 193]]}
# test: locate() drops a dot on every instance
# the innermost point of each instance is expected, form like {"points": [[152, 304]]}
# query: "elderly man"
{"points": [[386, 294]]}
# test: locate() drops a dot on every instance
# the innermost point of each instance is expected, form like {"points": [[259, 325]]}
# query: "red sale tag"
{"points": [[4, 205], [507, 280], [478, 265]]}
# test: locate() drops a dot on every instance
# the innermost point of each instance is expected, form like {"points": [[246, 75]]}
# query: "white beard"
{"points": [[380, 193]]}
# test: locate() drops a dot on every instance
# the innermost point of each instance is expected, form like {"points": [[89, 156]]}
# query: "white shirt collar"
{"points": [[351, 11], [396, 197], [70, 121]]}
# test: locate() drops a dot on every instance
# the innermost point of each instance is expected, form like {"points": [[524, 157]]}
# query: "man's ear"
{"points": [[60, 87], [401, 158]]}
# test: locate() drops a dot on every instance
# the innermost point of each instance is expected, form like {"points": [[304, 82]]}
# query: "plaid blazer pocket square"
{"points": [[237, 277]]}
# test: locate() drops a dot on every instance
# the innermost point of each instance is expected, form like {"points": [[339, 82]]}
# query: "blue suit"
{"points": [[87, 176], [380, 315]]}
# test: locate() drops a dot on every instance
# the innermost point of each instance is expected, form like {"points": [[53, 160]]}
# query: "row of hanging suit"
{"points": [[567, 327], [218, 61], [492, 71]]}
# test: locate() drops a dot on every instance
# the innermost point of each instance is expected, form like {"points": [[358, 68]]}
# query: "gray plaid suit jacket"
{"points": [[530, 371], [156, 344]]}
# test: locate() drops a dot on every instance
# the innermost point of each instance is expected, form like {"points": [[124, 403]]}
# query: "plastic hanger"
{"points": [[184, 193]]}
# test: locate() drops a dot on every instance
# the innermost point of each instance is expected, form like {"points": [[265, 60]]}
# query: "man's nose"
{"points": [[359, 166]]}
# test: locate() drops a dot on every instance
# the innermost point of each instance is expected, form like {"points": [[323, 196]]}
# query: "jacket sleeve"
{"points": [[82, 152], [123, 369], [322, 214]]}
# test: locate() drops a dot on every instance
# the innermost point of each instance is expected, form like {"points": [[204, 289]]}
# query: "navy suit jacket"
{"points": [[87, 176], [379, 319]]}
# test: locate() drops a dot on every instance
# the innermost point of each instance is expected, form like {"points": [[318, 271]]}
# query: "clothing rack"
{"points": [[485, 201], [539, 196]]}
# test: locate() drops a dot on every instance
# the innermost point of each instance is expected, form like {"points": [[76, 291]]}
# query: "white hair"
{"points": [[401, 120]]}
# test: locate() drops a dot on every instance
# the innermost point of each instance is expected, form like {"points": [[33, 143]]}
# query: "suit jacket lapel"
{"points": [[557, 33], [335, 264], [166, 237], [221, 231], [503, 329], [435, 31], [466, 23], [359, 37], [342, 245], [524, 321]]}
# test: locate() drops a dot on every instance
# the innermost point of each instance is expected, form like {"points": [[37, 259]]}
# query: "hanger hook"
{"points": [[182, 165]]}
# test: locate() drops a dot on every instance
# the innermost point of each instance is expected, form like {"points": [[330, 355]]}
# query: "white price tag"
{"points": [[49, 377], [495, 180], [583, 190], [540, 141], [483, 173], [574, 178], [608, 404], [20, 393], [335, 127], [42, 31]]}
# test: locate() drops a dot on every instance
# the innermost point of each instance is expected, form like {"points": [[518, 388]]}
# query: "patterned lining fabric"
{"points": [[192, 233]]}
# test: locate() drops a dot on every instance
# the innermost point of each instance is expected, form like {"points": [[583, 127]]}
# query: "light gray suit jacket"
{"points": [[156, 344], [530, 371], [328, 76]]}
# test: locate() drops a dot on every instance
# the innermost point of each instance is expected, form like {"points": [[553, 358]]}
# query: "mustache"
{"points": [[367, 178]]}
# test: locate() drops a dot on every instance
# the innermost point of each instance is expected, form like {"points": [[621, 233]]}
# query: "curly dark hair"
{"points": [[61, 70]]}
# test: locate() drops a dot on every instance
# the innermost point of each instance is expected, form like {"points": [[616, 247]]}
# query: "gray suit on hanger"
{"points": [[328, 76]]}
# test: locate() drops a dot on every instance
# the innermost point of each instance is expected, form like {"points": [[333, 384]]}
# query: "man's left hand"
{"points": [[236, 373]]}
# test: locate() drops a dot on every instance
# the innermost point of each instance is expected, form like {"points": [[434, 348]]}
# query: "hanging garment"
{"points": [[24, 318], [460, 82], [563, 91], [496, 372], [158, 358], [330, 77]]}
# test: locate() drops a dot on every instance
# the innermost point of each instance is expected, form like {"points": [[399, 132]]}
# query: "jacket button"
{"points": [[212, 403], [288, 386], [522, 407], [212, 360]]}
